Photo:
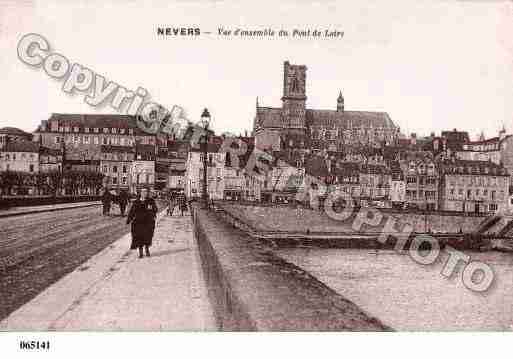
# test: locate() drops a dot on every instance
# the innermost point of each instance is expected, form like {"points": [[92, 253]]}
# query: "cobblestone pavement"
{"points": [[38, 249]]}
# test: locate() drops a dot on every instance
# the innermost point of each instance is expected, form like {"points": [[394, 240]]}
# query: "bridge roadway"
{"points": [[38, 249]]}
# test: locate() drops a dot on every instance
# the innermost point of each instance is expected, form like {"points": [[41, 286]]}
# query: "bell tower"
{"points": [[294, 96]]}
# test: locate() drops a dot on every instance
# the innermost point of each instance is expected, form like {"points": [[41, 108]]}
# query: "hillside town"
{"points": [[360, 153]]}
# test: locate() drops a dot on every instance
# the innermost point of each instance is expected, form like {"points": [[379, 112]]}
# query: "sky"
{"points": [[431, 65]]}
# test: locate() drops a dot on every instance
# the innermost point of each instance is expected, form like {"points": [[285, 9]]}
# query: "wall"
{"points": [[252, 289]]}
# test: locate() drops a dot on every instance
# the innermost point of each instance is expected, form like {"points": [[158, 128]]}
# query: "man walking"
{"points": [[171, 204], [123, 201], [106, 201]]}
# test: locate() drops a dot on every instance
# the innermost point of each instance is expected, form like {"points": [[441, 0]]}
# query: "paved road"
{"points": [[38, 249]]}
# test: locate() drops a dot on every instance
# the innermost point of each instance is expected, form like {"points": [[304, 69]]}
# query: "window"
{"points": [[122, 131], [86, 140], [86, 129], [75, 129], [31, 168], [124, 169], [105, 169], [96, 130], [105, 141], [113, 130], [114, 180], [469, 194], [95, 140], [410, 179], [493, 207], [123, 180], [57, 140], [131, 131]]}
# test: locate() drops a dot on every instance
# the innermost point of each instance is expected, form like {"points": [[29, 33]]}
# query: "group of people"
{"points": [[121, 200], [177, 199]]}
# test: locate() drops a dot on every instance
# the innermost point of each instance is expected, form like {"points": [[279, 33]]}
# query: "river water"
{"points": [[408, 296]]}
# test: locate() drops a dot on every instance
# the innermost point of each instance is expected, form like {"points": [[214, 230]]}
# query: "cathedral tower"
{"points": [[294, 96]]}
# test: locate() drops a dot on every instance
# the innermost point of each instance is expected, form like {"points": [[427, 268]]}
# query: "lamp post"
{"points": [[205, 122]]}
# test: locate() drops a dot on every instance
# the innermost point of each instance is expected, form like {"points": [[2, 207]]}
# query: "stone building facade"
{"points": [[473, 186], [421, 180], [83, 134], [116, 166]]}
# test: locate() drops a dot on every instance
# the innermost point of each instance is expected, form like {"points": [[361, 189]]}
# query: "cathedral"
{"points": [[294, 126]]}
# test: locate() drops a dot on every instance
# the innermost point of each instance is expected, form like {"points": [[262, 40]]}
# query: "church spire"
{"points": [[340, 102]]}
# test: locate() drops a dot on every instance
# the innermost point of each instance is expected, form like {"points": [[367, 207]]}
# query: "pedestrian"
{"points": [[171, 203], [142, 216], [182, 203], [123, 201], [106, 201]]}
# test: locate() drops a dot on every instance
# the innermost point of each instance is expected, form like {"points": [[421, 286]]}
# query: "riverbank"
{"points": [[286, 227]]}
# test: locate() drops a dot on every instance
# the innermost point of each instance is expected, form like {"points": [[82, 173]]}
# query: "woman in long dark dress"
{"points": [[142, 215]]}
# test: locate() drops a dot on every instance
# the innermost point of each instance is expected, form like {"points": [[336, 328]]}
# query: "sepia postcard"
{"points": [[220, 166]]}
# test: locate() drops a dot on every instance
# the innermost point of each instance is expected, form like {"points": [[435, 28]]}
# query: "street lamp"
{"points": [[205, 122]]}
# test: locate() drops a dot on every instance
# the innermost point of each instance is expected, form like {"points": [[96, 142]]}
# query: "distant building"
{"points": [[422, 180], [498, 150], [215, 169], [397, 186], [21, 156], [294, 126], [142, 170], [177, 178], [473, 186], [13, 134], [115, 165], [85, 134], [50, 159]]}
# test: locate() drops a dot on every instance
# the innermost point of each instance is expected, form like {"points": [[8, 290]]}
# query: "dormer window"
{"points": [[96, 130], [75, 129], [113, 130], [122, 131], [86, 129], [105, 130]]}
